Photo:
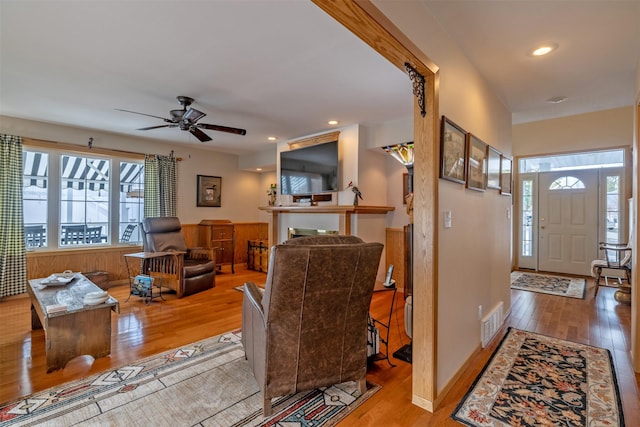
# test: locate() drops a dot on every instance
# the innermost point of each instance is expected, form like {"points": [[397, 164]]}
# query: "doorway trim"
{"points": [[366, 21]]}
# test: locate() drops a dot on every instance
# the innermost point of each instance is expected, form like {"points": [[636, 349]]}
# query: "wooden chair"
{"points": [[188, 270], [126, 235], [34, 236], [72, 234], [617, 256]]}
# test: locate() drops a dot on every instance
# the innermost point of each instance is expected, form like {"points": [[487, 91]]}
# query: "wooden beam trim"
{"points": [[352, 15], [314, 140]]}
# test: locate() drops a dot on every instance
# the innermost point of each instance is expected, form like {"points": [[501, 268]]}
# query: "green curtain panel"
{"points": [[13, 260], [159, 186]]}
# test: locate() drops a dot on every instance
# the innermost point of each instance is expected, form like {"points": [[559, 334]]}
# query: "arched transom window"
{"points": [[566, 183]]}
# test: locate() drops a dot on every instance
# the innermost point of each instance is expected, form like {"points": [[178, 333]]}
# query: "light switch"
{"points": [[508, 213], [447, 219]]}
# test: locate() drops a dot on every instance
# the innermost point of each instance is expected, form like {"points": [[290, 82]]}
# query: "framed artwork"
{"points": [[476, 163], [505, 175], [405, 188], [209, 191], [493, 168], [453, 151]]}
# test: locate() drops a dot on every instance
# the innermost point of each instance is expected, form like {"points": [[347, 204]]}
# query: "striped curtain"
{"points": [[159, 186], [13, 260]]}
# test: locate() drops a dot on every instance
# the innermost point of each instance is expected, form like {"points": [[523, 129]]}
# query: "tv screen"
{"points": [[309, 170]]}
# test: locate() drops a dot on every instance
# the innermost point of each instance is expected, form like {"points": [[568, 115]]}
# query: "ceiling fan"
{"points": [[186, 119]]}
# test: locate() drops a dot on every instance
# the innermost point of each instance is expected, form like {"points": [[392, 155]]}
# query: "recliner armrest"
{"points": [[254, 296]]}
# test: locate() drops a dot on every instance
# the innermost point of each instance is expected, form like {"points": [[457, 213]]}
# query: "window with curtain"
{"points": [[78, 199]]}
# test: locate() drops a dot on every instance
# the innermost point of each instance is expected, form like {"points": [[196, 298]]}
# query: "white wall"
{"points": [[583, 132], [240, 190], [474, 257]]}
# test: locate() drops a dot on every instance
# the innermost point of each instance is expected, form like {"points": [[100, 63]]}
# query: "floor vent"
{"points": [[491, 323]]}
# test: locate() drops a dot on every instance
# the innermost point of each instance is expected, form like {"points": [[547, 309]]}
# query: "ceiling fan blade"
{"points": [[192, 115], [203, 137], [144, 114], [156, 127], [222, 128]]}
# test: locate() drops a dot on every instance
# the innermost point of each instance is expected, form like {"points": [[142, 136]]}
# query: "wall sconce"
{"points": [[404, 154]]}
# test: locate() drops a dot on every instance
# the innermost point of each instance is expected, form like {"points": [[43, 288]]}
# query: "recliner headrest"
{"points": [[161, 224]]}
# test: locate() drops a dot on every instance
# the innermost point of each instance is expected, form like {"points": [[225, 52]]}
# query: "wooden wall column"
{"points": [[364, 20]]}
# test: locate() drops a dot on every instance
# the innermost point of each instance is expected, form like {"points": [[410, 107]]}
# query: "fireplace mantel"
{"points": [[344, 213]]}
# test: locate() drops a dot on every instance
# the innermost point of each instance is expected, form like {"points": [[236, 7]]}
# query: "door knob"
{"points": [[542, 227]]}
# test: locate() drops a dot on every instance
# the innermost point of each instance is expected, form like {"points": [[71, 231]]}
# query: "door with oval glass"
{"points": [[568, 221]]}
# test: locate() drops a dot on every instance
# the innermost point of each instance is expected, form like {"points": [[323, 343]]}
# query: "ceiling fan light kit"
{"points": [[186, 119]]}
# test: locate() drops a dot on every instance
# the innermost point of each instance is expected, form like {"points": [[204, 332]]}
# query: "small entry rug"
{"points": [[208, 383], [548, 284], [536, 380]]}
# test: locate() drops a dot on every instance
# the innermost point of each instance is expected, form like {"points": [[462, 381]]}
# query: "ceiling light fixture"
{"points": [[333, 122], [272, 138], [544, 49], [557, 99]]}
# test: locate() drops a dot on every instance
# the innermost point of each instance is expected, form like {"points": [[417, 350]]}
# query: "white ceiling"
{"points": [[284, 68]]}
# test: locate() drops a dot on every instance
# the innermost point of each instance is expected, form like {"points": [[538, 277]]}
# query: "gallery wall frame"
{"points": [[493, 168], [209, 191], [506, 179], [453, 151], [476, 163]]}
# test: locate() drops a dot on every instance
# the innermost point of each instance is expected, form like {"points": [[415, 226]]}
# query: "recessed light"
{"points": [[272, 138], [258, 169], [544, 49], [557, 99], [333, 122]]}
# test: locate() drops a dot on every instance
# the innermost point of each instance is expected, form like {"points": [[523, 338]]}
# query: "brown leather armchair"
{"points": [[189, 270], [308, 328]]}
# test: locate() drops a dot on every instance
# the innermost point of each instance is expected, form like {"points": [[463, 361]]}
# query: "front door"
{"points": [[568, 221]]}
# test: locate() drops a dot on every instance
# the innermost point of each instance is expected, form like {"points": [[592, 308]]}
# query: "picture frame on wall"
{"points": [[476, 163], [453, 151], [209, 191], [506, 179], [493, 168]]}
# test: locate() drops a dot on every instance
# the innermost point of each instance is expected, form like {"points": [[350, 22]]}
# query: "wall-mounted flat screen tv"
{"points": [[309, 170]]}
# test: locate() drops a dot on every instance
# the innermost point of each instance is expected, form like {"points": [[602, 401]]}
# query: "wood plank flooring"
{"points": [[142, 330]]}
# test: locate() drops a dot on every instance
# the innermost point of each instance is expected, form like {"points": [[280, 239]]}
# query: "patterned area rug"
{"points": [[208, 383], [548, 284], [535, 380]]}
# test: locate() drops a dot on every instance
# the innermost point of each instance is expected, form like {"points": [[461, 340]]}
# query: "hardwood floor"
{"points": [[142, 330]]}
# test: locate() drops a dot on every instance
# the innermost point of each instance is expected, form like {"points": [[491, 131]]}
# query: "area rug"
{"points": [[208, 383], [548, 284], [535, 380]]}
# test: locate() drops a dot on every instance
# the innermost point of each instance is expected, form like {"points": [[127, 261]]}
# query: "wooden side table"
{"points": [[142, 270]]}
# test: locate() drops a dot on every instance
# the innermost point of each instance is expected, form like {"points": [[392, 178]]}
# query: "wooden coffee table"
{"points": [[80, 329]]}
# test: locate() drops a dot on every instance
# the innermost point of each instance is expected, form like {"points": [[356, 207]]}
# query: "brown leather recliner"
{"points": [[308, 328], [190, 270]]}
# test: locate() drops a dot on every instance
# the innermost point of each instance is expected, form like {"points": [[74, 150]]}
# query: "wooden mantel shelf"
{"points": [[344, 212], [330, 209]]}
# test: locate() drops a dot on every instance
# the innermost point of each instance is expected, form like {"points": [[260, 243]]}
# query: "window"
{"points": [[613, 203], [131, 199], [527, 218], [566, 183], [75, 199], [34, 198], [84, 200], [573, 161]]}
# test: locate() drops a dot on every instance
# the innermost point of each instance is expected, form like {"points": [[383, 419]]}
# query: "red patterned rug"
{"points": [[535, 380], [205, 383]]}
